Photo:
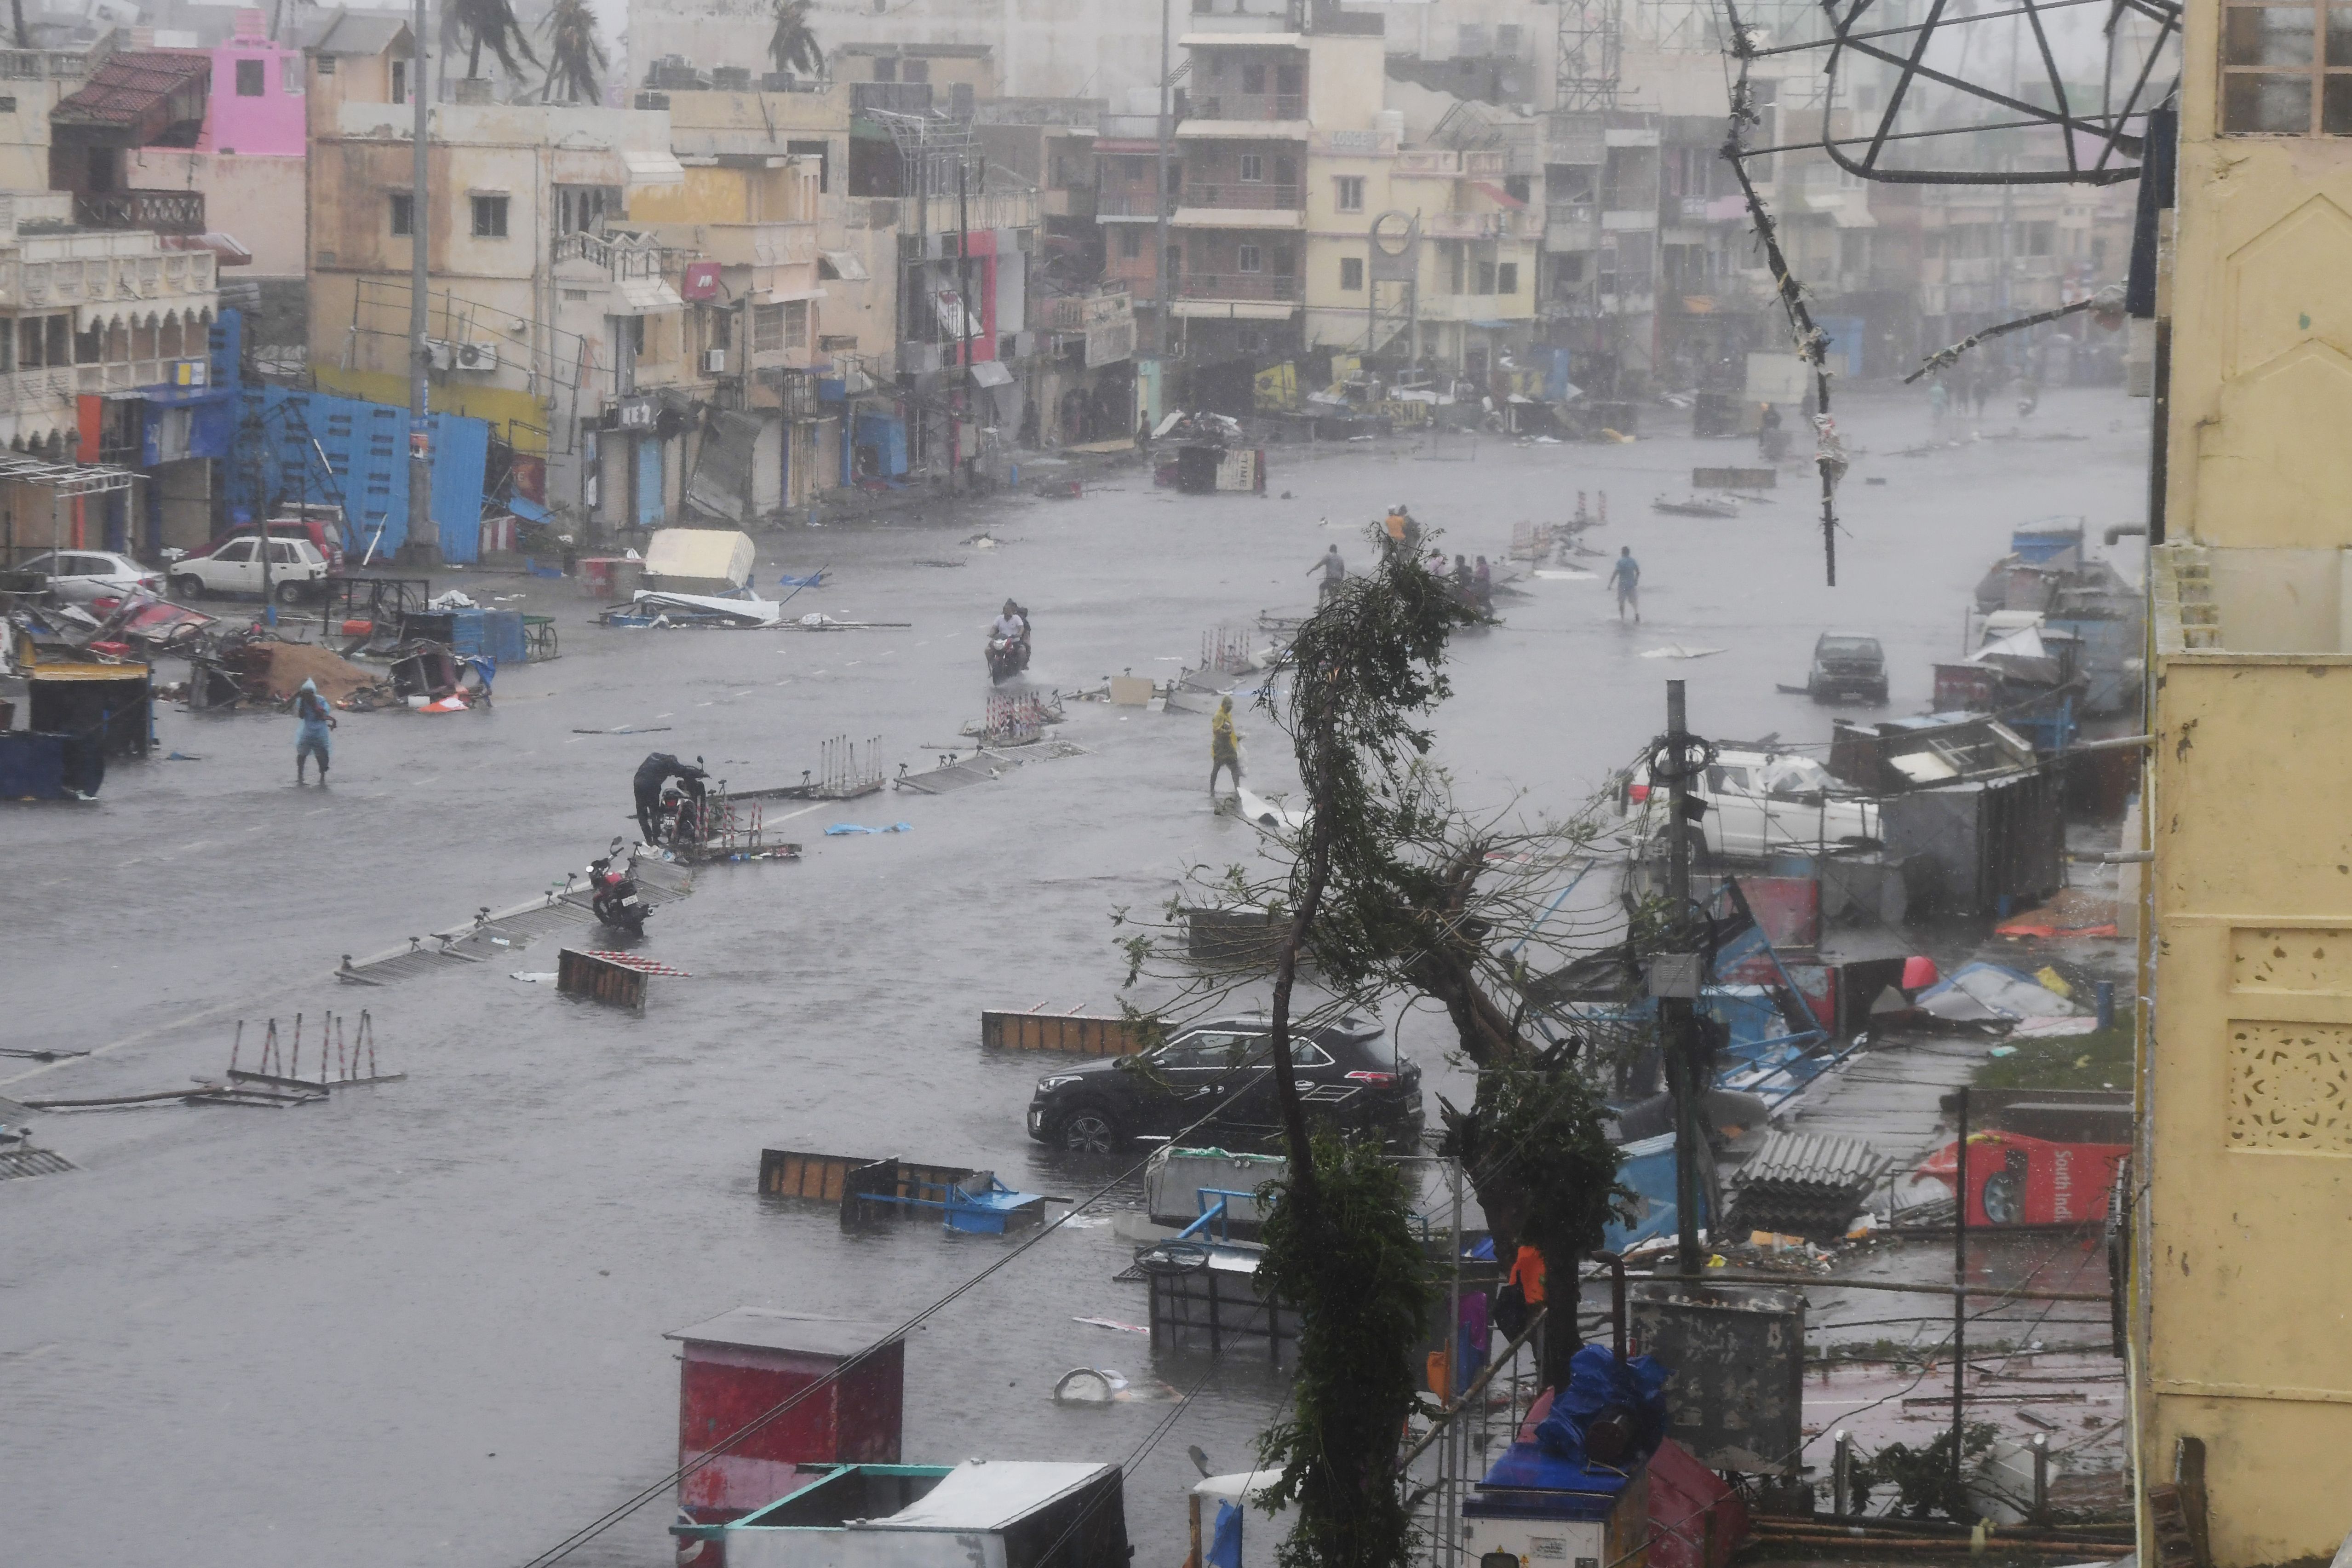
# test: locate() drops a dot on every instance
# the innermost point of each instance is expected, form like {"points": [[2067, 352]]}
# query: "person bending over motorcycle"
{"points": [[652, 774]]}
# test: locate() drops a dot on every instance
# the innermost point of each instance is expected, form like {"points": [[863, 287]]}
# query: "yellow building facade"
{"points": [[2242, 1184]]}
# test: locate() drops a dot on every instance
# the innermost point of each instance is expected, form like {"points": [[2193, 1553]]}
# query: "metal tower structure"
{"points": [[1590, 50]]}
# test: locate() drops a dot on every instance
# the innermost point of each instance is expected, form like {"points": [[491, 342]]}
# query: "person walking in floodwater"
{"points": [[311, 740], [1224, 746], [1625, 576], [1335, 572]]}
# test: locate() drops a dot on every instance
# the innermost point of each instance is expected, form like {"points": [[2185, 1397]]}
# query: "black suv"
{"points": [[1346, 1073], [1846, 664]]}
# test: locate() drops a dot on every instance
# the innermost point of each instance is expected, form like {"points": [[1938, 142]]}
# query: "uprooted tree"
{"points": [[1391, 888]]}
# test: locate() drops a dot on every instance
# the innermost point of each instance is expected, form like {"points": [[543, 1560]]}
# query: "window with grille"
{"points": [[2286, 70], [1251, 259], [404, 215], [1253, 168], [252, 78], [490, 217], [1130, 241], [1349, 193], [1507, 277], [767, 328], [797, 323], [1352, 272]]}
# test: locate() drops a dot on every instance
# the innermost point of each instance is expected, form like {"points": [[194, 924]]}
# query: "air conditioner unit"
{"points": [[714, 361], [478, 356], [443, 356]]}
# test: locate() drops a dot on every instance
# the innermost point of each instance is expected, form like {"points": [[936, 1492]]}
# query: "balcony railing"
{"points": [[1128, 201], [163, 212], [618, 256], [1256, 195], [1270, 286], [1248, 106]]}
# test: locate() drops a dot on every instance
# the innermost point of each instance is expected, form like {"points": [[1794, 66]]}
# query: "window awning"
{"points": [[845, 266], [644, 297], [224, 246], [1499, 194], [649, 168], [789, 296]]}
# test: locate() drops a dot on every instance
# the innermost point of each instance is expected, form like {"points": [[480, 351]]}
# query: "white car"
{"points": [[1758, 803], [298, 569], [80, 576]]}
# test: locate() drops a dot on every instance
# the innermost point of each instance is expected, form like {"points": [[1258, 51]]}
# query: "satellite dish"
{"points": [[1394, 231]]}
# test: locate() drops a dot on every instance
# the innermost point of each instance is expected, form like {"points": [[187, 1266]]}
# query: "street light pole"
{"points": [[424, 545]]}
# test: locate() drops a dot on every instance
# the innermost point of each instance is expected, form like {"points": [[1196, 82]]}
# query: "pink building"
{"points": [[246, 161]]}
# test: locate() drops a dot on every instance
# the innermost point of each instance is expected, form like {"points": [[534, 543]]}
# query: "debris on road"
{"points": [[615, 979], [973, 1201]]}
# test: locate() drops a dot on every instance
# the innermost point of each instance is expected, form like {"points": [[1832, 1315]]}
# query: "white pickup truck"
{"points": [[1758, 803]]}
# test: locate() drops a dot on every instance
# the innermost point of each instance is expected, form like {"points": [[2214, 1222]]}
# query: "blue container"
{"points": [[38, 766], [493, 634]]}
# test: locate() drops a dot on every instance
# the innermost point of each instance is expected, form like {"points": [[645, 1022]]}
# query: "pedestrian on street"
{"points": [[1938, 398], [1625, 576], [1224, 746], [311, 740], [1482, 587], [1980, 391], [1335, 572]]}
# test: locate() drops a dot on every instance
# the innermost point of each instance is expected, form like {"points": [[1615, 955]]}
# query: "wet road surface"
{"points": [[422, 1323]]}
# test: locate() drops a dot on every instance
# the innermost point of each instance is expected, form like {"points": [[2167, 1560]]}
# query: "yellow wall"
{"points": [[2242, 1317], [498, 404]]}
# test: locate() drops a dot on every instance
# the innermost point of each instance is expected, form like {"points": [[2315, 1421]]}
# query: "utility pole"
{"points": [[423, 544], [1675, 979], [1159, 186]]}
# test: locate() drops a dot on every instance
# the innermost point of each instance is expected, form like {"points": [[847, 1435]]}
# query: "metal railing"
{"points": [[1247, 105], [1128, 201], [165, 212], [1257, 195], [621, 255], [1271, 286]]}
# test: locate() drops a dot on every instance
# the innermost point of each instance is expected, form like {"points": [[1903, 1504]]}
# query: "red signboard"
{"points": [[702, 280]]}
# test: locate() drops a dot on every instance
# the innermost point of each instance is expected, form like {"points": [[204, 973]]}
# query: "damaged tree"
{"points": [[1339, 1241]]}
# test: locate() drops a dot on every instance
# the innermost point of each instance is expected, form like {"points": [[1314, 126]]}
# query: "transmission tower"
{"points": [[1591, 44]]}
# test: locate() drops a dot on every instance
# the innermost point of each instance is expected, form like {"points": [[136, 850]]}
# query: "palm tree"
{"points": [[490, 22], [574, 53], [794, 47]]}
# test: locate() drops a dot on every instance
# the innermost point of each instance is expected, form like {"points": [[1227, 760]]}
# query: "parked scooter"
{"points": [[617, 901]]}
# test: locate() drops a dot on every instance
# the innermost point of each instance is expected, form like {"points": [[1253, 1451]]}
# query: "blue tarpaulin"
{"points": [[1599, 1382], [1225, 1545], [366, 447]]}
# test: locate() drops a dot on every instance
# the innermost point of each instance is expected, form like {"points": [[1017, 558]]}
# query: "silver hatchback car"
{"points": [[80, 576]]}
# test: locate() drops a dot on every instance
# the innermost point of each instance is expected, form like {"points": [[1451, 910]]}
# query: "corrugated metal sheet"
{"points": [[1812, 1159]]}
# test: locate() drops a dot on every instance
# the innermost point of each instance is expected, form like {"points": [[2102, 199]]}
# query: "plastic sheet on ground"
{"points": [[1986, 992]]}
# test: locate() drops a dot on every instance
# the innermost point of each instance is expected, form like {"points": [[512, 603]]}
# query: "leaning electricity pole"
{"points": [[1674, 976], [424, 542]]}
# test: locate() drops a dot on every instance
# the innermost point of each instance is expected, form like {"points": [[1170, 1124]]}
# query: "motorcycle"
{"points": [[684, 818], [617, 901], [1008, 657]]}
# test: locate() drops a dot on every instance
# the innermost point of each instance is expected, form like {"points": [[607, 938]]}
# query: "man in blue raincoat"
{"points": [[311, 740]]}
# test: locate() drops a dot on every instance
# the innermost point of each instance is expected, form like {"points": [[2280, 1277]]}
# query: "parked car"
{"points": [[1846, 665], [1221, 1070], [321, 524], [1758, 802], [297, 569], [80, 576]]}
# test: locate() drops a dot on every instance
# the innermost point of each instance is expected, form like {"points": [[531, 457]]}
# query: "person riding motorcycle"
{"points": [[1008, 642], [1010, 624], [655, 771]]}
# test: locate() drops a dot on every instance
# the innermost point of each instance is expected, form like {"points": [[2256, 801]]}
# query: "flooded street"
{"points": [[422, 1323]]}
